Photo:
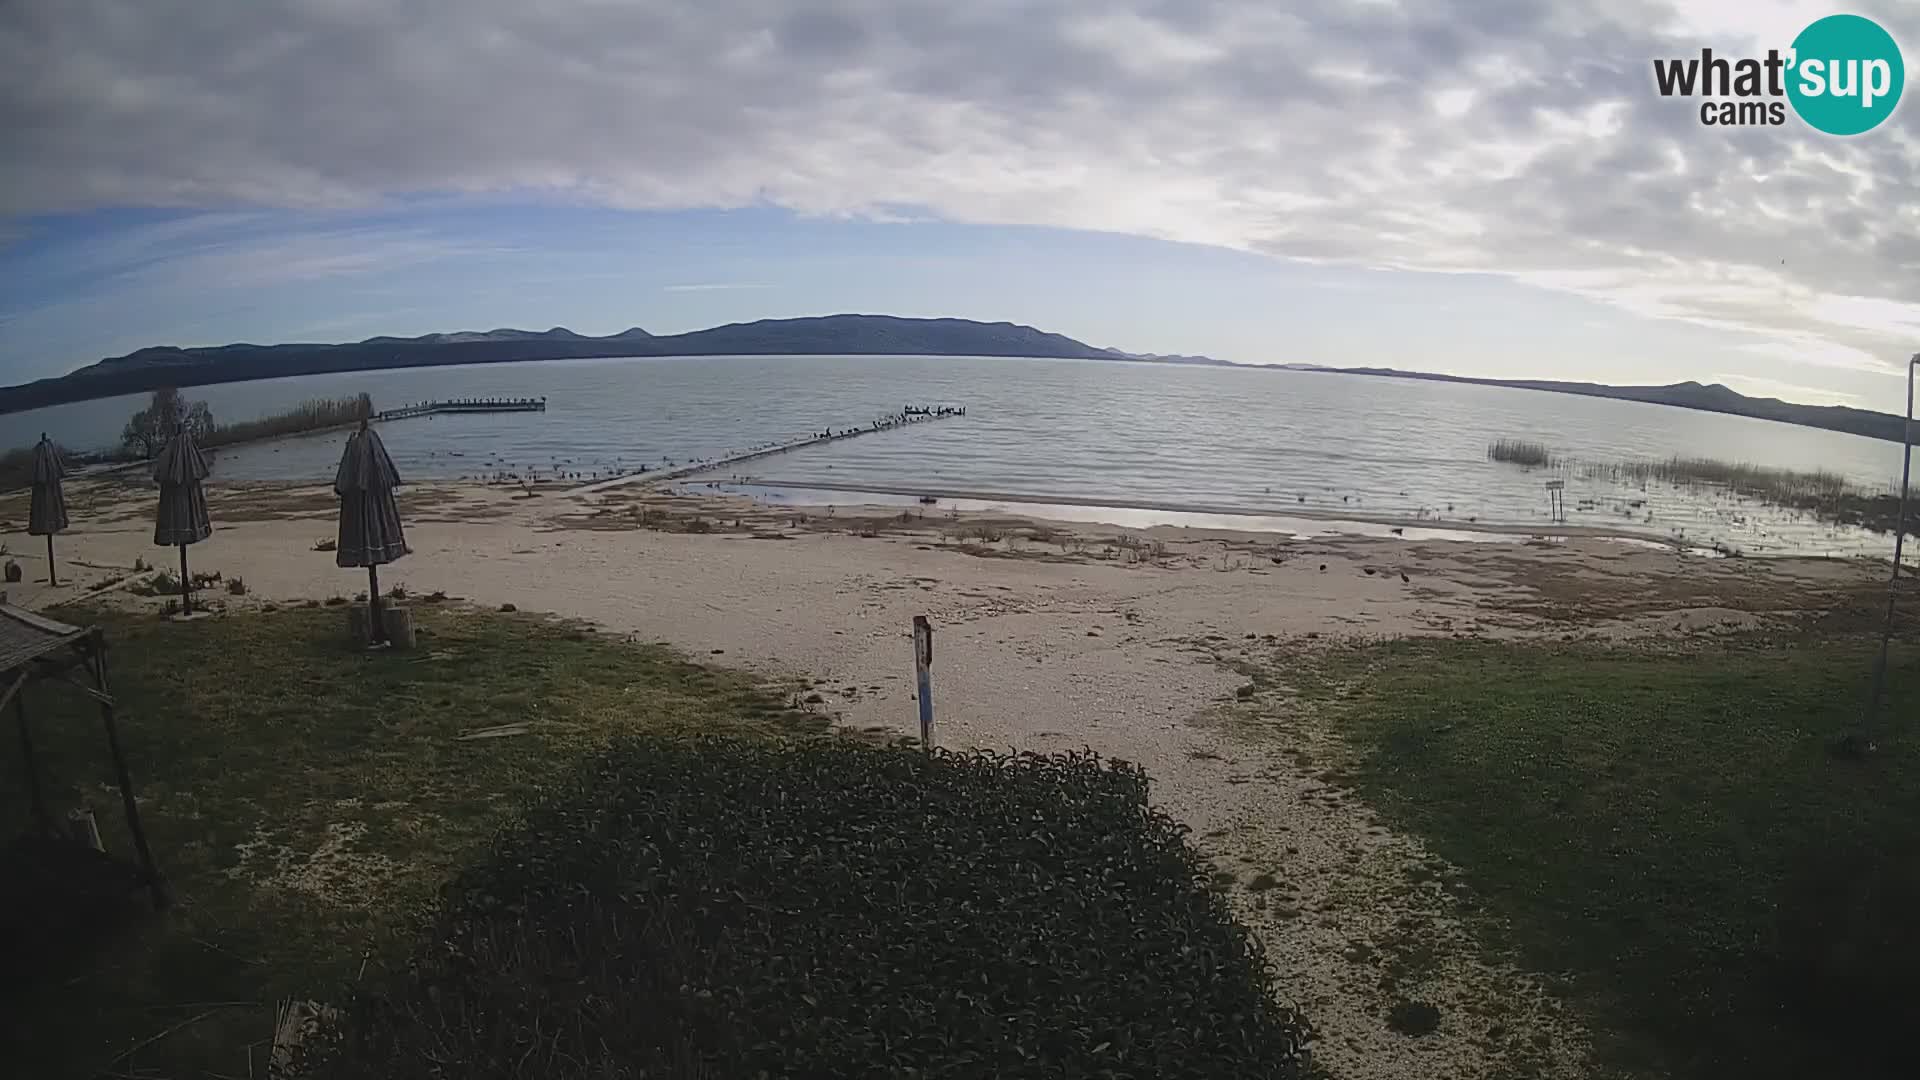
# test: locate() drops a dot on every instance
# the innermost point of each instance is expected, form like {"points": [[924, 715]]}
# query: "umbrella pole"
{"points": [[186, 584], [375, 632], [52, 578]]}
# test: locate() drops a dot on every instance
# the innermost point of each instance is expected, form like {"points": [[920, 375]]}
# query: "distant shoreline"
{"points": [[842, 335]]}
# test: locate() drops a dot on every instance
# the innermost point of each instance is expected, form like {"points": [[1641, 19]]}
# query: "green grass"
{"points": [[1668, 827], [659, 866], [268, 730]]}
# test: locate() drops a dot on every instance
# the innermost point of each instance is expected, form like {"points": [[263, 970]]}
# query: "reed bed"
{"points": [[1790, 487], [311, 415], [1826, 495], [1533, 455]]}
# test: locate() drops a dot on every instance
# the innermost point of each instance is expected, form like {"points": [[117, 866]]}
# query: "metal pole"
{"points": [[156, 884], [52, 577], [32, 767], [1899, 545], [186, 584], [923, 677]]}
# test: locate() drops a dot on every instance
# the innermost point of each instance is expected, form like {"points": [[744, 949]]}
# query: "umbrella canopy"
{"points": [[48, 513], [179, 470], [370, 533]]}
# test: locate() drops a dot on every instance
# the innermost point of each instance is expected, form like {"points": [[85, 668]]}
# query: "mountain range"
{"points": [[166, 365]]}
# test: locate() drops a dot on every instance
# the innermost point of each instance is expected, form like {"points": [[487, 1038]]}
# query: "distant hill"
{"points": [[1706, 397], [166, 365], [152, 368]]}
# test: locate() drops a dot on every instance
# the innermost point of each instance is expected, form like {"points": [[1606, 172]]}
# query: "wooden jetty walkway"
{"points": [[465, 405], [904, 418]]}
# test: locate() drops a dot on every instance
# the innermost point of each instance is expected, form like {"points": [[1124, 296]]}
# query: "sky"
{"points": [[1480, 187]]}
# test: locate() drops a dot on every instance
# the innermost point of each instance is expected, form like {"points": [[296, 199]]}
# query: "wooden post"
{"points": [[52, 577], [376, 632], [186, 584], [27, 762], [923, 677], [155, 883]]}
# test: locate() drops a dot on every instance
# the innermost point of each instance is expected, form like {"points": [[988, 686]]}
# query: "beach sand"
{"points": [[1049, 636]]}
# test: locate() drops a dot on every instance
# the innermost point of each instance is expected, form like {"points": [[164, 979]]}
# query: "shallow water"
{"points": [[1240, 441]]}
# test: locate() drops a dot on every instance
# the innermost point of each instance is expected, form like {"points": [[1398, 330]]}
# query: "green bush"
{"points": [[726, 909]]}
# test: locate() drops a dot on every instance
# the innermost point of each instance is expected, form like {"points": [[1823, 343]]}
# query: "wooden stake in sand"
{"points": [[923, 677]]}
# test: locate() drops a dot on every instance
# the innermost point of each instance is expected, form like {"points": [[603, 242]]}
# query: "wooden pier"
{"points": [[904, 418], [465, 405]]}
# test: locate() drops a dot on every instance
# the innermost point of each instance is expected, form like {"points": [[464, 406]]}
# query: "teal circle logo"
{"points": [[1846, 75]]}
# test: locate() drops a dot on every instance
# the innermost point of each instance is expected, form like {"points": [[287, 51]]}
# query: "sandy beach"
{"points": [[1050, 635]]}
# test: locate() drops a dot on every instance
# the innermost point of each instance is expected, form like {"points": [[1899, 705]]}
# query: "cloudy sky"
{"points": [[1475, 186]]}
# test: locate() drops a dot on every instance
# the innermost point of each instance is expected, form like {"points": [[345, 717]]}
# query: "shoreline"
{"points": [[1237, 519]]}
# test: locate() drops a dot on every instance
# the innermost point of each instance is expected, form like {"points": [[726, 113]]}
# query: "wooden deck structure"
{"points": [[36, 649]]}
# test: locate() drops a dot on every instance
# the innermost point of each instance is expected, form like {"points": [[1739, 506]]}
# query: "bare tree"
{"points": [[148, 430]]}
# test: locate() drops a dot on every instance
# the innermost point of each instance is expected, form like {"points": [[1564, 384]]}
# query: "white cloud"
{"points": [[1517, 137]]}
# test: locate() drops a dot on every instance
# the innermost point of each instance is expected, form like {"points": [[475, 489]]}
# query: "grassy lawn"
{"points": [[306, 802], [662, 872], [1667, 827]]}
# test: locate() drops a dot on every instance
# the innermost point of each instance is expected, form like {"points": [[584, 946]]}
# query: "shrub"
{"points": [[16, 465], [828, 909], [236, 586]]}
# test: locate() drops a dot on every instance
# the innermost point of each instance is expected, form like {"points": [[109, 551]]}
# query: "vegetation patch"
{"points": [[1826, 495], [1669, 827], [1533, 455], [727, 908], [305, 820]]}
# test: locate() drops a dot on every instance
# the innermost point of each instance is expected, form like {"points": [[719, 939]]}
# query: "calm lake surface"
{"points": [[1254, 441]]}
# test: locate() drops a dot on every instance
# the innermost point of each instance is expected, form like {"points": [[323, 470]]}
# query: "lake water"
{"points": [[1223, 440]]}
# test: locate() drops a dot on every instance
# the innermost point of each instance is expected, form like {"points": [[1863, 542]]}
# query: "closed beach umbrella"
{"points": [[180, 470], [48, 514], [370, 532]]}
